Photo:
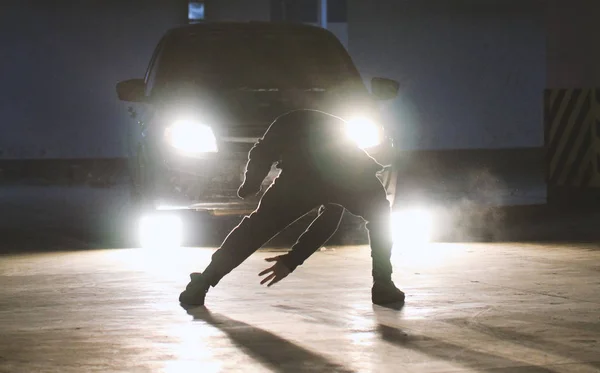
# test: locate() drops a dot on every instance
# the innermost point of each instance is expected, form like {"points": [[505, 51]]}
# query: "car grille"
{"points": [[240, 139], [236, 147], [220, 175], [208, 176], [212, 179]]}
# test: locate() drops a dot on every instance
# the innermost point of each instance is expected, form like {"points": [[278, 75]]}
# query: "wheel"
{"points": [[141, 183]]}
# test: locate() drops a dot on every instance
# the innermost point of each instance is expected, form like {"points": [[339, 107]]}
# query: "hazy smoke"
{"points": [[478, 215]]}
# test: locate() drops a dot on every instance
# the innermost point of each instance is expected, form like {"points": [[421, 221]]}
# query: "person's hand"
{"points": [[276, 272], [244, 191]]}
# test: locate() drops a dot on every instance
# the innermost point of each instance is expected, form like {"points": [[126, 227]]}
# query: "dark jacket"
{"points": [[309, 143]]}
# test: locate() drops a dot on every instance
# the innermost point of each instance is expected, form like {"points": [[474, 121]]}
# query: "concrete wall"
{"points": [[58, 68], [258, 10], [572, 51], [237, 10], [472, 71]]}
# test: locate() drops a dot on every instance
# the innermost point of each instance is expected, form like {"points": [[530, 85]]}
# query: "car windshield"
{"points": [[255, 60]]}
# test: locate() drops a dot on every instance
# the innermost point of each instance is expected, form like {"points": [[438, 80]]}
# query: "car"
{"points": [[212, 89]]}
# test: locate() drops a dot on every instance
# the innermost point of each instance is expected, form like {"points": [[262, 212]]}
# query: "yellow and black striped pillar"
{"points": [[571, 117]]}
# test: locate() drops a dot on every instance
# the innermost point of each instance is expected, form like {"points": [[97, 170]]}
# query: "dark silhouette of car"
{"points": [[212, 89]]}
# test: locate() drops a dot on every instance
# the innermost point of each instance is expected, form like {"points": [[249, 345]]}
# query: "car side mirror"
{"points": [[384, 89], [132, 90]]}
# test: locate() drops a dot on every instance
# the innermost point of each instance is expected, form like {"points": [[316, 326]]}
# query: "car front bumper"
{"points": [[207, 184], [210, 183]]}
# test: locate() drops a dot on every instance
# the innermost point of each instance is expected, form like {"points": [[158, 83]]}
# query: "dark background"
{"points": [[469, 116]]}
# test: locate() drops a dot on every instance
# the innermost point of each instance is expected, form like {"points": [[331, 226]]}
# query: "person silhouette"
{"points": [[321, 167]]}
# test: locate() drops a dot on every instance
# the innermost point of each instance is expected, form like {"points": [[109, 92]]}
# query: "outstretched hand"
{"points": [[245, 191], [276, 272]]}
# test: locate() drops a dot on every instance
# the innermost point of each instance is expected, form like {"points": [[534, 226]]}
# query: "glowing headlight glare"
{"points": [[414, 225], [160, 231], [363, 132], [191, 137]]}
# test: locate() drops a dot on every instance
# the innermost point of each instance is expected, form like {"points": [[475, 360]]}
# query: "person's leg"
{"points": [[279, 207], [369, 202], [314, 237], [274, 213]]}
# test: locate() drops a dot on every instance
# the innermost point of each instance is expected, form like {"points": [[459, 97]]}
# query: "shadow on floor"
{"points": [[581, 351], [278, 353], [453, 353]]}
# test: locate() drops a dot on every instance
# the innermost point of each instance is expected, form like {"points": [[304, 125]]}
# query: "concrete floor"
{"points": [[470, 308]]}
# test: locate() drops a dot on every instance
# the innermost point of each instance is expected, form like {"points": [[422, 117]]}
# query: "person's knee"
{"points": [[378, 220], [379, 226], [251, 233], [378, 210], [334, 209]]}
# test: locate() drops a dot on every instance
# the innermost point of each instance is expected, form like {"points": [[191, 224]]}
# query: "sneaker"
{"points": [[386, 293], [195, 291]]}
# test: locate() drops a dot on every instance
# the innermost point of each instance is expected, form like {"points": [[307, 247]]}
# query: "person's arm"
{"points": [[315, 236], [319, 231], [385, 153], [261, 157]]}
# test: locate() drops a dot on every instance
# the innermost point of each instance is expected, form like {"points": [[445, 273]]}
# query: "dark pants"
{"points": [[287, 200]]}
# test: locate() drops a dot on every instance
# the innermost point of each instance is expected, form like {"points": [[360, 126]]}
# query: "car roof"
{"points": [[251, 26]]}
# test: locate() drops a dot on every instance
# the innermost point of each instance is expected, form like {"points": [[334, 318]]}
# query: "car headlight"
{"points": [[191, 137], [364, 132]]}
